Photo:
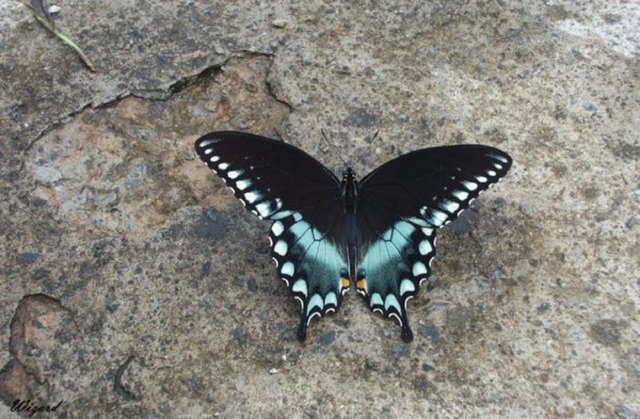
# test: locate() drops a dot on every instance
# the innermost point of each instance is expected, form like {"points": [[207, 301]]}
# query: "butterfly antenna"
{"points": [[335, 149], [373, 138]]}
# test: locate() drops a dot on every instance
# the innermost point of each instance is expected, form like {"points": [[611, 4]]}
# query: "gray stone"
{"points": [[535, 303]]}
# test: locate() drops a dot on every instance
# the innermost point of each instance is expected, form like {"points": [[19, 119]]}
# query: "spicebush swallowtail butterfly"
{"points": [[327, 233]]}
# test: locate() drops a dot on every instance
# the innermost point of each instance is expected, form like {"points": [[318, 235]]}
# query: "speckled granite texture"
{"points": [[133, 284]]}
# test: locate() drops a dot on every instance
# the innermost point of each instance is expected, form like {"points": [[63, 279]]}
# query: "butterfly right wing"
{"points": [[279, 182], [401, 206]]}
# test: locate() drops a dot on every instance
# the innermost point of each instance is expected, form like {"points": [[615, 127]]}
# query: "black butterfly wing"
{"points": [[400, 207], [279, 182]]}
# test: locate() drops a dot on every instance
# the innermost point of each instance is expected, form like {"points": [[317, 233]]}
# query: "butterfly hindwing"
{"points": [[393, 267], [401, 206], [311, 264]]}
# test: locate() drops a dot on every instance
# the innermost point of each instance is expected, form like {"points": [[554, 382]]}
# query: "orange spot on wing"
{"points": [[345, 282], [360, 284]]}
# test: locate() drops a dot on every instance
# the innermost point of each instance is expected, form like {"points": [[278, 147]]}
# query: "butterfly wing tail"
{"points": [[406, 335], [302, 328]]}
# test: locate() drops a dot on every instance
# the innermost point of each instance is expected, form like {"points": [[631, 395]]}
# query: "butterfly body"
{"points": [[349, 193], [378, 233]]}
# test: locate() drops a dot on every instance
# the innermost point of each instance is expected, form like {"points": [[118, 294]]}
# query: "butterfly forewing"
{"points": [[400, 206], [280, 182], [270, 177]]}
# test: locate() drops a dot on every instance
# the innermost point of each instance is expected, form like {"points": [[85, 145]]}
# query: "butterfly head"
{"points": [[349, 176]]}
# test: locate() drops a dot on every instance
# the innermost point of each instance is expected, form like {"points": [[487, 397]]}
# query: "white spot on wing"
{"points": [[243, 184], [469, 185], [419, 269], [223, 166], [277, 228], [391, 301], [234, 173], [499, 158], [300, 286], [438, 217], [435, 217], [406, 286], [425, 247], [287, 269], [376, 300], [214, 159], [460, 195], [264, 208], [491, 173], [281, 247], [208, 151], [481, 179], [205, 143], [314, 301], [450, 206], [252, 196], [331, 298]]}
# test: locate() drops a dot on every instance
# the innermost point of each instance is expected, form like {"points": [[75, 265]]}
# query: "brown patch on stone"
{"points": [[127, 168], [39, 325], [16, 383]]}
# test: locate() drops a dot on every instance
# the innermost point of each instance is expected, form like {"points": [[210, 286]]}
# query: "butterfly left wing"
{"points": [[400, 207], [279, 182]]}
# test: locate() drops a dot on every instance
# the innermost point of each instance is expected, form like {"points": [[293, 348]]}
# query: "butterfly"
{"points": [[328, 233]]}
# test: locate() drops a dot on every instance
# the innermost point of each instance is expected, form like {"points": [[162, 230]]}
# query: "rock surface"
{"points": [[133, 284]]}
